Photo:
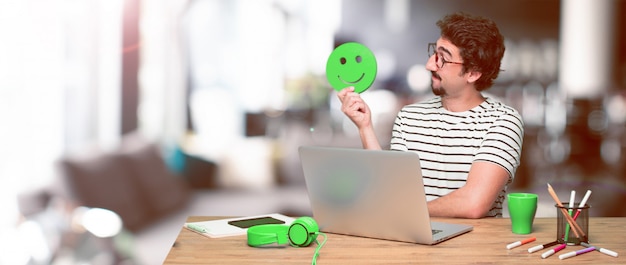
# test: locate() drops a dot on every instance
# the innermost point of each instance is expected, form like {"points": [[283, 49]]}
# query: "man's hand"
{"points": [[355, 108], [359, 113]]}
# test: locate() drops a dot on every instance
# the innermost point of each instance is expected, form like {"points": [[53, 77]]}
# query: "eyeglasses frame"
{"points": [[432, 50]]}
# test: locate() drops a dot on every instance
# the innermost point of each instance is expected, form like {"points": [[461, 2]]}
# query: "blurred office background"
{"points": [[158, 109]]}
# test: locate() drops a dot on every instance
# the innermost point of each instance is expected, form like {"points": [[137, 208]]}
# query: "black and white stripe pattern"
{"points": [[449, 142]]}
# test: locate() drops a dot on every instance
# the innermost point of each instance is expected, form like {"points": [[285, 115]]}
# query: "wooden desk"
{"points": [[486, 244]]}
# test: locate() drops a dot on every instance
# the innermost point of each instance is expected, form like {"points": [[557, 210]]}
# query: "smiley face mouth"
{"points": [[353, 82]]}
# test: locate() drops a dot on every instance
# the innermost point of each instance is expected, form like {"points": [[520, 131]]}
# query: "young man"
{"points": [[469, 144]]}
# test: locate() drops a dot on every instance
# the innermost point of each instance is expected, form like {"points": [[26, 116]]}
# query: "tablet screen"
{"points": [[246, 223]]}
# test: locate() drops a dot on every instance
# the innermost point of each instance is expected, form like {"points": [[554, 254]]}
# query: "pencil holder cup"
{"points": [[576, 232]]}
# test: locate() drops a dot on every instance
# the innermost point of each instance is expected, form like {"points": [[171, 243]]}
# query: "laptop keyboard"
{"points": [[436, 231]]}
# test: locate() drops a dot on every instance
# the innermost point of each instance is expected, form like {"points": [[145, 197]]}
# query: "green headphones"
{"points": [[301, 233]]}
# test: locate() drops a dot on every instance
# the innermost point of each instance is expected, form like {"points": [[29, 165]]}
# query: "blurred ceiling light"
{"points": [[418, 78], [533, 109], [32, 235], [528, 56], [555, 106], [597, 121], [610, 151], [548, 60], [558, 150], [397, 14], [101, 222], [386, 64], [509, 62], [616, 109]]}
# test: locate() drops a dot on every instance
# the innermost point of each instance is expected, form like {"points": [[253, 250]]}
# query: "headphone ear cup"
{"points": [[303, 231]]}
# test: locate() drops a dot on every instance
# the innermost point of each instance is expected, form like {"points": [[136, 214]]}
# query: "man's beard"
{"points": [[438, 91]]}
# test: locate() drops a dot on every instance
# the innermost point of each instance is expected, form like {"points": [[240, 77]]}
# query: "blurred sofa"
{"points": [[152, 197], [133, 181]]}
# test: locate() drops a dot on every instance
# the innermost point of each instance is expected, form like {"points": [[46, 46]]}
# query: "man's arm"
{"points": [[476, 197], [359, 113]]}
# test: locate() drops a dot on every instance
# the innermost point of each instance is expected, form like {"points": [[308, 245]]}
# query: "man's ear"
{"points": [[472, 76]]}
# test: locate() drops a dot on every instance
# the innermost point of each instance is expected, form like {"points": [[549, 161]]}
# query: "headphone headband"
{"points": [[259, 235]]}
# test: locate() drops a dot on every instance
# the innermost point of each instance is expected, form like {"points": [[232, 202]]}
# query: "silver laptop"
{"points": [[376, 194]]}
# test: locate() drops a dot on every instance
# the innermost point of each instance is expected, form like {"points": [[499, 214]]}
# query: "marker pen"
{"points": [[552, 251], [519, 243], [602, 250], [540, 247], [582, 204], [572, 198], [576, 253]]}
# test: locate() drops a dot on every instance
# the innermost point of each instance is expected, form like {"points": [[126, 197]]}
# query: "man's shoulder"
{"points": [[430, 103], [495, 105], [498, 110]]}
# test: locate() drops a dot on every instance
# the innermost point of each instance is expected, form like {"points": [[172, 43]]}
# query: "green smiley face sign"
{"points": [[351, 64]]}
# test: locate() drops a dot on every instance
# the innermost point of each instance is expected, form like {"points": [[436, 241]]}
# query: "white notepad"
{"points": [[224, 228]]}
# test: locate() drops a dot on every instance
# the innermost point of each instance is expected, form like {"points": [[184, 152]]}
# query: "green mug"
{"points": [[522, 208]]}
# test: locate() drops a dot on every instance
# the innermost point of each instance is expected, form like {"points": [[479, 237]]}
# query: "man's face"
{"points": [[351, 64], [447, 76]]}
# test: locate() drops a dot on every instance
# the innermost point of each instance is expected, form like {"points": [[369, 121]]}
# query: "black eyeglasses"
{"points": [[439, 60]]}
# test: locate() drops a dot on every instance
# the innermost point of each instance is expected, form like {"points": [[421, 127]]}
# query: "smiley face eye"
{"points": [[358, 58], [343, 60]]}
